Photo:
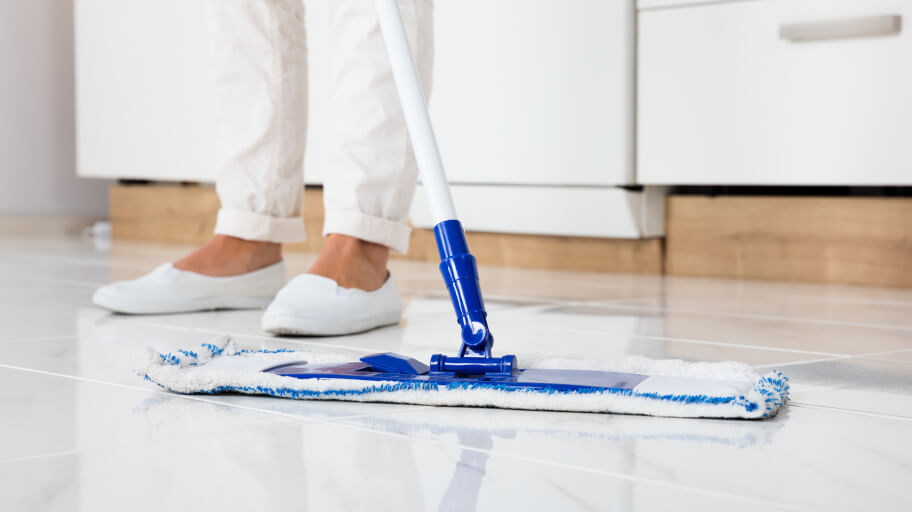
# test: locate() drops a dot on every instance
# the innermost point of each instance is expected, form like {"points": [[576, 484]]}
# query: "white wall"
{"points": [[37, 127]]}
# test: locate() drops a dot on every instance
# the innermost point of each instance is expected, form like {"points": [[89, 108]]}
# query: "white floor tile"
{"points": [[760, 330], [858, 384], [45, 415], [81, 431], [321, 467], [818, 459], [107, 356], [800, 302]]}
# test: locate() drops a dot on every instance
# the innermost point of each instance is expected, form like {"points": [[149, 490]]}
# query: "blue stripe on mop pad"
{"points": [[671, 387]]}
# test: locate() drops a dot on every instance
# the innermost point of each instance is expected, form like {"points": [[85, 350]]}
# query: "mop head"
{"points": [[670, 387]]}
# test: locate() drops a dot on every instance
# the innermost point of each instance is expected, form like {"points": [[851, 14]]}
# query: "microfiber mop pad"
{"points": [[662, 387]]}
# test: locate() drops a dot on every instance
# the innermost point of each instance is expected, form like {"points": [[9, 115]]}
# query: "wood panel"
{"points": [[166, 213], [45, 225], [551, 252], [186, 214], [834, 240], [818, 239]]}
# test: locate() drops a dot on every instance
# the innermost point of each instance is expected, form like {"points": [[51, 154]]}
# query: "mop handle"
{"points": [[411, 94], [456, 263]]}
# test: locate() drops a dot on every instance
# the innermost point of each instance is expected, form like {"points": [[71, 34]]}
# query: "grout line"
{"points": [[871, 302], [888, 361], [41, 456], [69, 313], [798, 363], [801, 320], [803, 298], [619, 304], [525, 304], [101, 263], [542, 301], [153, 442], [39, 338], [198, 398], [693, 341], [66, 282], [146, 444], [423, 318], [138, 388], [837, 358], [619, 287], [851, 411], [885, 352], [149, 443], [257, 336]]}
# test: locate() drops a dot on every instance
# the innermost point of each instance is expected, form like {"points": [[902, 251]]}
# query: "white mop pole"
{"points": [[457, 265], [414, 105]]}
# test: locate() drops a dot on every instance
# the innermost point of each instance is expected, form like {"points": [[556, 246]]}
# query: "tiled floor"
{"points": [[79, 431]]}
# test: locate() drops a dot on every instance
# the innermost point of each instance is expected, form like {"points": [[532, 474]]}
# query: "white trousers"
{"points": [[261, 93]]}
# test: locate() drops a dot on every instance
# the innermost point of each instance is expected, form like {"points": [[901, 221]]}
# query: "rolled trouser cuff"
{"points": [[260, 227], [394, 235]]}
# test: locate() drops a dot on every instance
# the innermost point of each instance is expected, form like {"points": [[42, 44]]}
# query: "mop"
{"points": [[474, 377]]}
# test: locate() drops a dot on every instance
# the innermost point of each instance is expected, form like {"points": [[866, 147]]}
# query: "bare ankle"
{"points": [[227, 256], [352, 263]]}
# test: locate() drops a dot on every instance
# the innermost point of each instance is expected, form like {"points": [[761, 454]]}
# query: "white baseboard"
{"points": [[605, 212]]}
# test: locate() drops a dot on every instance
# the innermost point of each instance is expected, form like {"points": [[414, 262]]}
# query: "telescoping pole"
{"points": [[457, 265]]}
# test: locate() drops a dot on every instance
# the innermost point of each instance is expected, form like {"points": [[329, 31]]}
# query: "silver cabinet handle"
{"points": [[866, 26]]}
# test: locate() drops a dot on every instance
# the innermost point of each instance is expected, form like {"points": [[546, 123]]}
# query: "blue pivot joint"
{"points": [[460, 273]]}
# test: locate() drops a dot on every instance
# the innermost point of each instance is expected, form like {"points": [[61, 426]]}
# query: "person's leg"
{"points": [[368, 184], [260, 93], [371, 171]]}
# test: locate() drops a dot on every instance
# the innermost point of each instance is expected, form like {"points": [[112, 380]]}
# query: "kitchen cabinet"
{"points": [[774, 92], [532, 101]]}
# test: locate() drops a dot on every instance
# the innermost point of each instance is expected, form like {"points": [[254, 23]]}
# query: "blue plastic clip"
{"points": [[394, 363], [489, 366], [460, 273]]}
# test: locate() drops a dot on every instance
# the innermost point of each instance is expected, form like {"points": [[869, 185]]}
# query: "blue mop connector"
{"points": [[461, 276]]}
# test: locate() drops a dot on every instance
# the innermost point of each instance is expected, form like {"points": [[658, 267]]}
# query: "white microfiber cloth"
{"points": [[673, 387]]}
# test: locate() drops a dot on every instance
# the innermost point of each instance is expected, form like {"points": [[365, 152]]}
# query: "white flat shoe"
{"points": [[312, 305], [170, 290]]}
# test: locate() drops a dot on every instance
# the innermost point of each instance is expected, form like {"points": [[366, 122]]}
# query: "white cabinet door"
{"points": [[143, 73], [141, 79], [535, 92], [525, 92], [603, 212], [724, 98]]}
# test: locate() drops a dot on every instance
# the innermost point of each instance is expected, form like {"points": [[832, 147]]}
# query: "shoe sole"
{"points": [[134, 307], [289, 325]]}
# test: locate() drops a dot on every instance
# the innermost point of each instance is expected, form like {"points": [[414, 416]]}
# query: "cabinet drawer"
{"points": [[776, 92]]}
